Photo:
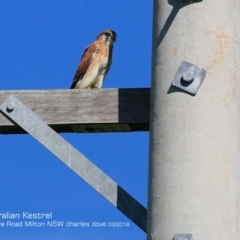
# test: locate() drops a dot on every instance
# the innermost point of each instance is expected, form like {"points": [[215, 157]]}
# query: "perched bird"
{"points": [[95, 62]]}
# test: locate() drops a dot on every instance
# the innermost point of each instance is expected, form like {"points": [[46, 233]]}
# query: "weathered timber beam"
{"points": [[105, 110]]}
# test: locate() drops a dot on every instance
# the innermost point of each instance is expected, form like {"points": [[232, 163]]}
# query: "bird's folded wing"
{"points": [[84, 64]]}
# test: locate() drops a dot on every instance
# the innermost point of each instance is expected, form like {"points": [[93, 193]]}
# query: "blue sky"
{"points": [[40, 46]]}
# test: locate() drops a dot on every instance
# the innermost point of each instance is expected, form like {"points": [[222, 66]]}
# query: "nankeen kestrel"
{"points": [[95, 62]]}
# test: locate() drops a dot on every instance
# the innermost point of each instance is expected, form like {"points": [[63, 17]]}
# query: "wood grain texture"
{"points": [[104, 110]]}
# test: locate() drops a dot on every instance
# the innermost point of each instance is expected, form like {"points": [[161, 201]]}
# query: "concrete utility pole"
{"points": [[194, 175]]}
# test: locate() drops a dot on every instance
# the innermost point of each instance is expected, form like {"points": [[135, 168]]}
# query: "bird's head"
{"points": [[108, 36]]}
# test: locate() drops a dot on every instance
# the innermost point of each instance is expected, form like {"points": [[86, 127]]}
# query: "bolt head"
{"points": [[10, 106], [188, 76]]}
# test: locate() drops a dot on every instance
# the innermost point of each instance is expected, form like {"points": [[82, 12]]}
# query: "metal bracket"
{"points": [[94, 128], [183, 236], [192, 1], [83, 167], [189, 77]]}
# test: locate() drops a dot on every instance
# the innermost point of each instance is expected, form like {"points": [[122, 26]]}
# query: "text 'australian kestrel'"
{"points": [[26, 215]]}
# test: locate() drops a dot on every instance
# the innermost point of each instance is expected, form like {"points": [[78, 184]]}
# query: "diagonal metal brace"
{"points": [[83, 167]]}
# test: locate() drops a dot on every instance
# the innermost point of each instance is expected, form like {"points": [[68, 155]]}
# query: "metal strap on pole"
{"points": [[90, 173]]}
